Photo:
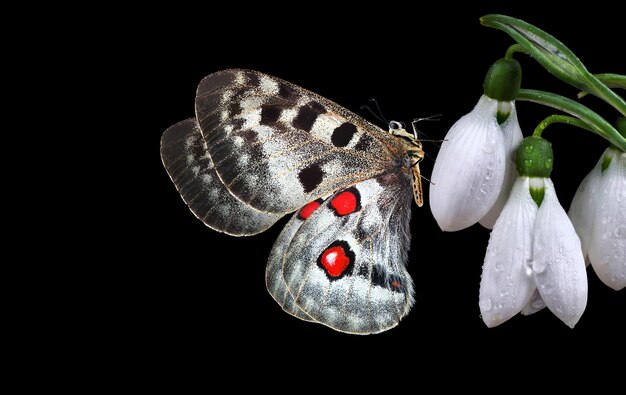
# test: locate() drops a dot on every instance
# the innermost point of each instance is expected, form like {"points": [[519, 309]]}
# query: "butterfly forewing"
{"points": [[277, 146]]}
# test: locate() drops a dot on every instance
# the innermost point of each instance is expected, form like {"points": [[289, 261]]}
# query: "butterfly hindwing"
{"points": [[277, 146], [186, 159], [345, 265], [274, 272]]}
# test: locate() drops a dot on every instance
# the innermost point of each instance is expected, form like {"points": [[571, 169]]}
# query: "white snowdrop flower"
{"points": [[598, 212], [534, 256], [475, 161]]}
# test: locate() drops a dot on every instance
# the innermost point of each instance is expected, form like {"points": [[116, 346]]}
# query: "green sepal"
{"points": [[534, 157], [503, 80]]}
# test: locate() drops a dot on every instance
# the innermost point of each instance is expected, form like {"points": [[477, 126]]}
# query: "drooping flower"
{"points": [[534, 254], [598, 212], [474, 168]]}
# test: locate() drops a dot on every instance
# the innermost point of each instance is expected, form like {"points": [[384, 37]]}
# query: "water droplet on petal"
{"points": [[499, 267], [485, 304], [545, 289], [504, 292], [499, 305], [529, 270]]}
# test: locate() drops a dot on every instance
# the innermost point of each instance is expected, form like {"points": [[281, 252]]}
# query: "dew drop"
{"points": [[499, 305], [548, 164], [485, 304], [546, 289], [504, 293], [499, 267], [528, 270], [528, 162], [620, 231], [529, 149]]}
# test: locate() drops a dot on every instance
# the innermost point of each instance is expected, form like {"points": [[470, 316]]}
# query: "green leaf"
{"points": [[546, 49], [610, 80], [554, 56]]}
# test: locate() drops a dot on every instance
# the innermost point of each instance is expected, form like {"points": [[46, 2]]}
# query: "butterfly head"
{"points": [[398, 129]]}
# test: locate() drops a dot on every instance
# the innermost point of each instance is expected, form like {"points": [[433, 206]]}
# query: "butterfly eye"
{"points": [[393, 125]]}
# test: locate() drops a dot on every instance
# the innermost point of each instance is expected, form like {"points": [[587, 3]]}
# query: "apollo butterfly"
{"points": [[259, 148]]}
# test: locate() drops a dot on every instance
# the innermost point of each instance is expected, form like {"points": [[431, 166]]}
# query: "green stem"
{"points": [[514, 49], [560, 119], [595, 122]]}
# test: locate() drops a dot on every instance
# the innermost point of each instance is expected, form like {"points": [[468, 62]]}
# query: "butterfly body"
{"points": [[259, 148]]}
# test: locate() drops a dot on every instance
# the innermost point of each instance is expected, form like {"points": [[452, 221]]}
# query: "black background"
{"points": [[191, 292]]}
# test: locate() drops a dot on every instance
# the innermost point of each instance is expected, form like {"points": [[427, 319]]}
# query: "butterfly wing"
{"points": [[274, 272], [277, 146], [345, 265], [186, 159]]}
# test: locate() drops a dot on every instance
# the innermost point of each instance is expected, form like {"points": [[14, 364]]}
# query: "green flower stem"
{"points": [[560, 119], [515, 48], [597, 124], [555, 57]]}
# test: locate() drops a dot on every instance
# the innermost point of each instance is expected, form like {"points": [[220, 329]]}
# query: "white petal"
{"points": [[507, 281], [534, 305], [512, 134], [607, 247], [469, 169], [583, 208], [558, 263]]}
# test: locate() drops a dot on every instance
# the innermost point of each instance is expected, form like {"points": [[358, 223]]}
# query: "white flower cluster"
{"points": [[535, 257]]}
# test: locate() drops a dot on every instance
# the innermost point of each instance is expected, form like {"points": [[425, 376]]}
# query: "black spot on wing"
{"points": [[269, 115], [253, 79], [343, 134], [390, 281], [364, 143], [310, 177], [307, 115], [248, 134], [378, 276], [287, 93]]}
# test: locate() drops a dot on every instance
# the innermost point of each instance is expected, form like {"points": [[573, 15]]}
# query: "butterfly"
{"points": [[260, 148]]}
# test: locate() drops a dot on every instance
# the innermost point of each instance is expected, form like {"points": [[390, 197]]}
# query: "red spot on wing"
{"points": [[335, 260], [307, 210], [395, 284], [345, 203]]}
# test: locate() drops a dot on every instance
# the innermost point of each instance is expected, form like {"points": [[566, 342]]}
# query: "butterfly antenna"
{"points": [[372, 100], [368, 108]]}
